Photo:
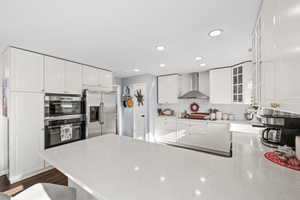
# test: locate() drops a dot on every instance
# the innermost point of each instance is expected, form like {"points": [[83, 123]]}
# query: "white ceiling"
{"points": [[122, 34]]}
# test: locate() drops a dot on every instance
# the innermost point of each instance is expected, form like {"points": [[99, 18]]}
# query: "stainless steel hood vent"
{"points": [[194, 93]]}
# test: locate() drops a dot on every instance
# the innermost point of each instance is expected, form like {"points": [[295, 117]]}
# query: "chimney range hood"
{"points": [[194, 93]]}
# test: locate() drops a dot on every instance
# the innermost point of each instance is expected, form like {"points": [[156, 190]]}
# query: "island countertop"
{"points": [[121, 168]]}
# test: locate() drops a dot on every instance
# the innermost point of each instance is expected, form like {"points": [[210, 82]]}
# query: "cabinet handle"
{"points": [[275, 105]]}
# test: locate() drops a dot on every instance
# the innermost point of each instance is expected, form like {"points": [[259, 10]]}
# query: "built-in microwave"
{"points": [[62, 104]]}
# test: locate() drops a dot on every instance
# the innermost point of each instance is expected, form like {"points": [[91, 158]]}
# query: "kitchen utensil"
{"points": [[167, 112], [199, 115], [212, 116], [219, 115], [225, 116]]}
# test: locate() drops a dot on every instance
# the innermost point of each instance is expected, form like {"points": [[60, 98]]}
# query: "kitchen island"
{"points": [[121, 168]]}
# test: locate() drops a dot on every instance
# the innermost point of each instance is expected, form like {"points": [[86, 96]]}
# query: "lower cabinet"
{"points": [[213, 136], [26, 134], [166, 130]]}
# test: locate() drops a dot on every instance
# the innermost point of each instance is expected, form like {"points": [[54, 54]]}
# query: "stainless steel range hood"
{"points": [[194, 93]]}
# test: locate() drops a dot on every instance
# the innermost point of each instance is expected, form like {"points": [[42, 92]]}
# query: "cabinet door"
{"points": [[268, 88], [73, 78], [166, 130], [218, 137], [183, 128], [27, 71], [220, 86], [26, 133], [168, 89], [197, 131], [90, 76], [54, 75], [105, 79], [248, 77]]}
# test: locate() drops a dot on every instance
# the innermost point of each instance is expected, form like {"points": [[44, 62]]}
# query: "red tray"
{"points": [[273, 157]]}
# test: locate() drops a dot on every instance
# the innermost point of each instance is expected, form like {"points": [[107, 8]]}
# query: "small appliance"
{"points": [[281, 128], [62, 104]]}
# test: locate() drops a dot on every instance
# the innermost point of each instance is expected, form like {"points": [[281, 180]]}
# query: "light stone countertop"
{"points": [[121, 168]]}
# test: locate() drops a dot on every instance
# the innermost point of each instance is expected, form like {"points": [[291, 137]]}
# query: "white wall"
{"points": [[151, 98]]}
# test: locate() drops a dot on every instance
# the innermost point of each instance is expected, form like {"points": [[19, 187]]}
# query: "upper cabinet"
{"points": [[168, 89], [97, 78], [220, 83], [62, 76], [54, 75], [237, 84], [26, 71], [277, 55], [73, 78], [232, 85], [105, 79], [90, 76]]}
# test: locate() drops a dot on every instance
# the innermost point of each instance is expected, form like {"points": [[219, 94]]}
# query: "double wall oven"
{"points": [[64, 119]]}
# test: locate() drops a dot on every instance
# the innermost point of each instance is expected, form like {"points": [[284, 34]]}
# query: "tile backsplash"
{"points": [[237, 110]]}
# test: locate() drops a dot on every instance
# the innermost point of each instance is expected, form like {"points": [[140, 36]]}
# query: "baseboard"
{"points": [[18, 178], [3, 172]]}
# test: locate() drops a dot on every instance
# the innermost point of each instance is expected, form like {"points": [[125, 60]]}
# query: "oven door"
{"points": [[62, 134]]}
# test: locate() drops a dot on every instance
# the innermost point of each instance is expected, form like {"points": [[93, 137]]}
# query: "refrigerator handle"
{"points": [[101, 120]]}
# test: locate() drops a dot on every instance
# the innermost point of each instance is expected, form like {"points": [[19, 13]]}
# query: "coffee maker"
{"points": [[280, 128]]}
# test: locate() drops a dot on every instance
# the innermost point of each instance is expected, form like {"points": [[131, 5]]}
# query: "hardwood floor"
{"points": [[52, 176]]}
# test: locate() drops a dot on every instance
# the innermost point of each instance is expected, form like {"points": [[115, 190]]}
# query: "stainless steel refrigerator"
{"points": [[100, 110]]}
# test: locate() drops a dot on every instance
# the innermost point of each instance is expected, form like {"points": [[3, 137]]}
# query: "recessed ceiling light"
{"points": [[160, 48], [162, 65], [136, 70], [215, 33], [198, 58], [203, 65]]}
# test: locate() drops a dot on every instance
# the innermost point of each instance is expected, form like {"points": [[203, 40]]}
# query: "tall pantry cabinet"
{"points": [[277, 56], [26, 77], [24, 88]]}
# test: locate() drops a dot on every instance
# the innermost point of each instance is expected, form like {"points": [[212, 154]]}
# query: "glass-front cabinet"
{"points": [[237, 84]]}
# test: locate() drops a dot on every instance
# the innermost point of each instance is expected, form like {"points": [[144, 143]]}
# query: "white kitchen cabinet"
{"points": [[54, 75], [183, 128], [90, 76], [219, 136], [208, 135], [280, 56], [213, 136], [26, 71], [168, 89], [62, 76], [73, 78], [105, 79], [26, 134], [220, 82], [268, 88], [94, 77], [166, 129], [248, 83]]}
